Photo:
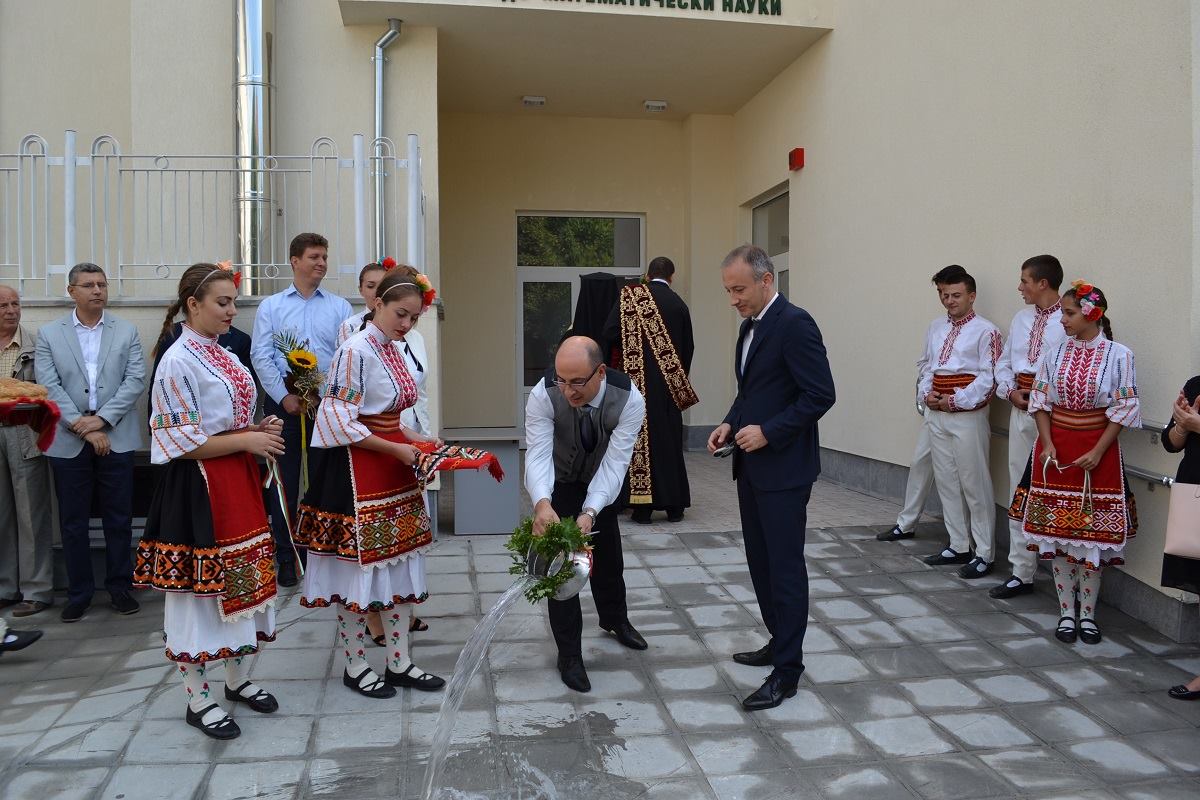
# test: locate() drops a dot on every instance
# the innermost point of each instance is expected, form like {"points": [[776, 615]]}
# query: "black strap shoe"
{"points": [[762, 657], [894, 534], [223, 728], [774, 691], [627, 635], [574, 676], [947, 556], [975, 568], [1010, 588], [21, 640], [368, 684], [261, 701], [1182, 692], [426, 682]]}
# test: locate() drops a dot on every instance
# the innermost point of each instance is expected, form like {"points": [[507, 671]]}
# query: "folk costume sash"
{"points": [[641, 321], [950, 384], [1066, 505], [242, 534]]}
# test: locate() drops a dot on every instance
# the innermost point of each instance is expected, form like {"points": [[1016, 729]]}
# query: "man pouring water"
{"points": [[581, 424]]}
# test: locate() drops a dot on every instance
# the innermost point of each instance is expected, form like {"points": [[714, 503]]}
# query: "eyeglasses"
{"points": [[576, 384], [87, 287]]}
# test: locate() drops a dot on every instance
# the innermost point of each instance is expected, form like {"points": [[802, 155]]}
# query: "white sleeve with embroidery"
{"points": [[175, 416], [1125, 408], [337, 422], [345, 331], [1006, 379], [1039, 393], [927, 362], [979, 391]]}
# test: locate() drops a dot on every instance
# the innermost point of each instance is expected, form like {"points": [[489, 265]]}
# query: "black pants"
{"points": [[773, 529], [76, 480], [289, 467], [608, 579]]}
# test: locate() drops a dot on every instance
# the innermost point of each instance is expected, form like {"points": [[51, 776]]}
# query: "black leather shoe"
{"points": [[287, 575], [1181, 692], [762, 657], [224, 728], [674, 515], [641, 517], [73, 612], [627, 635], [123, 603], [574, 676], [947, 556], [774, 691], [1010, 588], [894, 534]]}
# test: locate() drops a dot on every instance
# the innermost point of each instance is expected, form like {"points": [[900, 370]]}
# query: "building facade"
{"points": [[934, 132]]}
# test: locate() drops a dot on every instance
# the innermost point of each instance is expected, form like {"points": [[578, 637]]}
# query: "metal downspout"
{"points": [[254, 30], [389, 36]]}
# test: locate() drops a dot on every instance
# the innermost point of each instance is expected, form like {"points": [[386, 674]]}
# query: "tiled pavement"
{"points": [[917, 685]]}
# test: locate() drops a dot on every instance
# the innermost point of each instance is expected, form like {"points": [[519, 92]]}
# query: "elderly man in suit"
{"points": [[91, 363], [26, 526], [784, 387]]}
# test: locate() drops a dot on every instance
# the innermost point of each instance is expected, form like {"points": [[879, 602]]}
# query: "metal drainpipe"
{"points": [[254, 32], [389, 36]]}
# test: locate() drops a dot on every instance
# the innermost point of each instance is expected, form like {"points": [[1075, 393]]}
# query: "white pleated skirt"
{"points": [[329, 580], [195, 632]]}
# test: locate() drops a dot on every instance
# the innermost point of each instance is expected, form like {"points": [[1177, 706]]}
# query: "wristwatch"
{"points": [[591, 512]]}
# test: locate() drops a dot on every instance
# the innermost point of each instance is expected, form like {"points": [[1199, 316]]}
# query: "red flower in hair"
{"points": [[388, 263], [236, 277], [428, 293]]}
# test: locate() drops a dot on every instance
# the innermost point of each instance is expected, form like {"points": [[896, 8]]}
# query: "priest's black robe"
{"points": [[668, 474]]}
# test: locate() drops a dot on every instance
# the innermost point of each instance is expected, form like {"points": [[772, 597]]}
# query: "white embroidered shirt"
{"points": [[1034, 333], [200, 389], [368, 376], [968, 346], [1081, 376]]}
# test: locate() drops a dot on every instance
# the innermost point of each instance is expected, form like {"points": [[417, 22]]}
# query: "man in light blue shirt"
{"points": [[309, 312]]}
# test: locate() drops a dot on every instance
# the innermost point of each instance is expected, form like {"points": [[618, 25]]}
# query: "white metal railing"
{"points": [[145, 218]]}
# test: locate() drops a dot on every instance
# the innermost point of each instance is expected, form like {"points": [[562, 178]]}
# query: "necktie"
{"points": [[587, 429], [409, 351]]}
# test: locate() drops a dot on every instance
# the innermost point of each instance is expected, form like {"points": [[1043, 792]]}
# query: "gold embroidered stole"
{"points": [[641, 320]]}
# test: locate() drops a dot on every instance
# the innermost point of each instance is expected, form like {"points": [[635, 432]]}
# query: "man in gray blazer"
{"points": [[91, 363]]}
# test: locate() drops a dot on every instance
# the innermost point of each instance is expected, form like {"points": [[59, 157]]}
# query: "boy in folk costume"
{"points": [[1035, 330], [957, 382], [1074, 501]]}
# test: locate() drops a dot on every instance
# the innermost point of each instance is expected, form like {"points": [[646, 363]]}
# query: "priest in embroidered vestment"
{"points": [[659, 364]]}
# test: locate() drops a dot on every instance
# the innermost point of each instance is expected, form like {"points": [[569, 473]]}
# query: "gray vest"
{"points": [[573, 464]]}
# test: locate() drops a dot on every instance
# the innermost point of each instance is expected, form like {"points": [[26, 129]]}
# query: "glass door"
{"points": [[771, 232], [553, 252]]}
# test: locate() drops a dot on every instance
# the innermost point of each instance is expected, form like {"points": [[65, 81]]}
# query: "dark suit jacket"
{"points": [[785, 387]]}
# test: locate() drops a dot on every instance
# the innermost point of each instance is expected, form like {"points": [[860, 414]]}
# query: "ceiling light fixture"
{"points": [[655, 106], [533, 101]]}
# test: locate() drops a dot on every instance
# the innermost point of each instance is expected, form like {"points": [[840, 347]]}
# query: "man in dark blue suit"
{"points": [[784, 387]]}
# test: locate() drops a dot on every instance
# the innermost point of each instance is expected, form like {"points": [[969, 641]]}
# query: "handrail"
{"points": [[1153, 426]]}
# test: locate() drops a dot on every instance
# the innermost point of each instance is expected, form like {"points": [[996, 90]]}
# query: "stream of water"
{"points": [[456, 689]]}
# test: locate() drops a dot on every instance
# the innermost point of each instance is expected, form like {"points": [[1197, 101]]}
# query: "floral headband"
{"points": [[225, 270], [428, 293], [1089, 299]]}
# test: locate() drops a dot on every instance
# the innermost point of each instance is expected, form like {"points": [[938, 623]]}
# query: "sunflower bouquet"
{"points": [[304, 380]]}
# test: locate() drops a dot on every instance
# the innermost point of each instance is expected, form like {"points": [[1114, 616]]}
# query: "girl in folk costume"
{"points": [[1074, 500], [363, 518], [415, 417], [207, 542]]}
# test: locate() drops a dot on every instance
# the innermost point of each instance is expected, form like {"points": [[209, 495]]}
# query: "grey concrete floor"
{"points": [[917, 685]]}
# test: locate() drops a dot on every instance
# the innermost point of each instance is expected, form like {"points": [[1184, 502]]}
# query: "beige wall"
{"points": [[495, 165], [935, 136]]}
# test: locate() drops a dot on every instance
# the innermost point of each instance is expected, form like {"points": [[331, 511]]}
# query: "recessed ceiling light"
{"points": [[655, 106], [533, 101]]}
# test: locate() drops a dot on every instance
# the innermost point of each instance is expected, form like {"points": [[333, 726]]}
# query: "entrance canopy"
{"points": [[605, 59]]}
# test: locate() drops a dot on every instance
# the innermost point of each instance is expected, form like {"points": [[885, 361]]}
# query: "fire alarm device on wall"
{"points": [[796, 159]]}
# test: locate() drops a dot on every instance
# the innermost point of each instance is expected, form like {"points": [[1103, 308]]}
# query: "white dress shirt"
{"points": [[539, 457], [750, 334], [314, 318], [967, 346], [1034, 333], [199, 390], [89, 345]]}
